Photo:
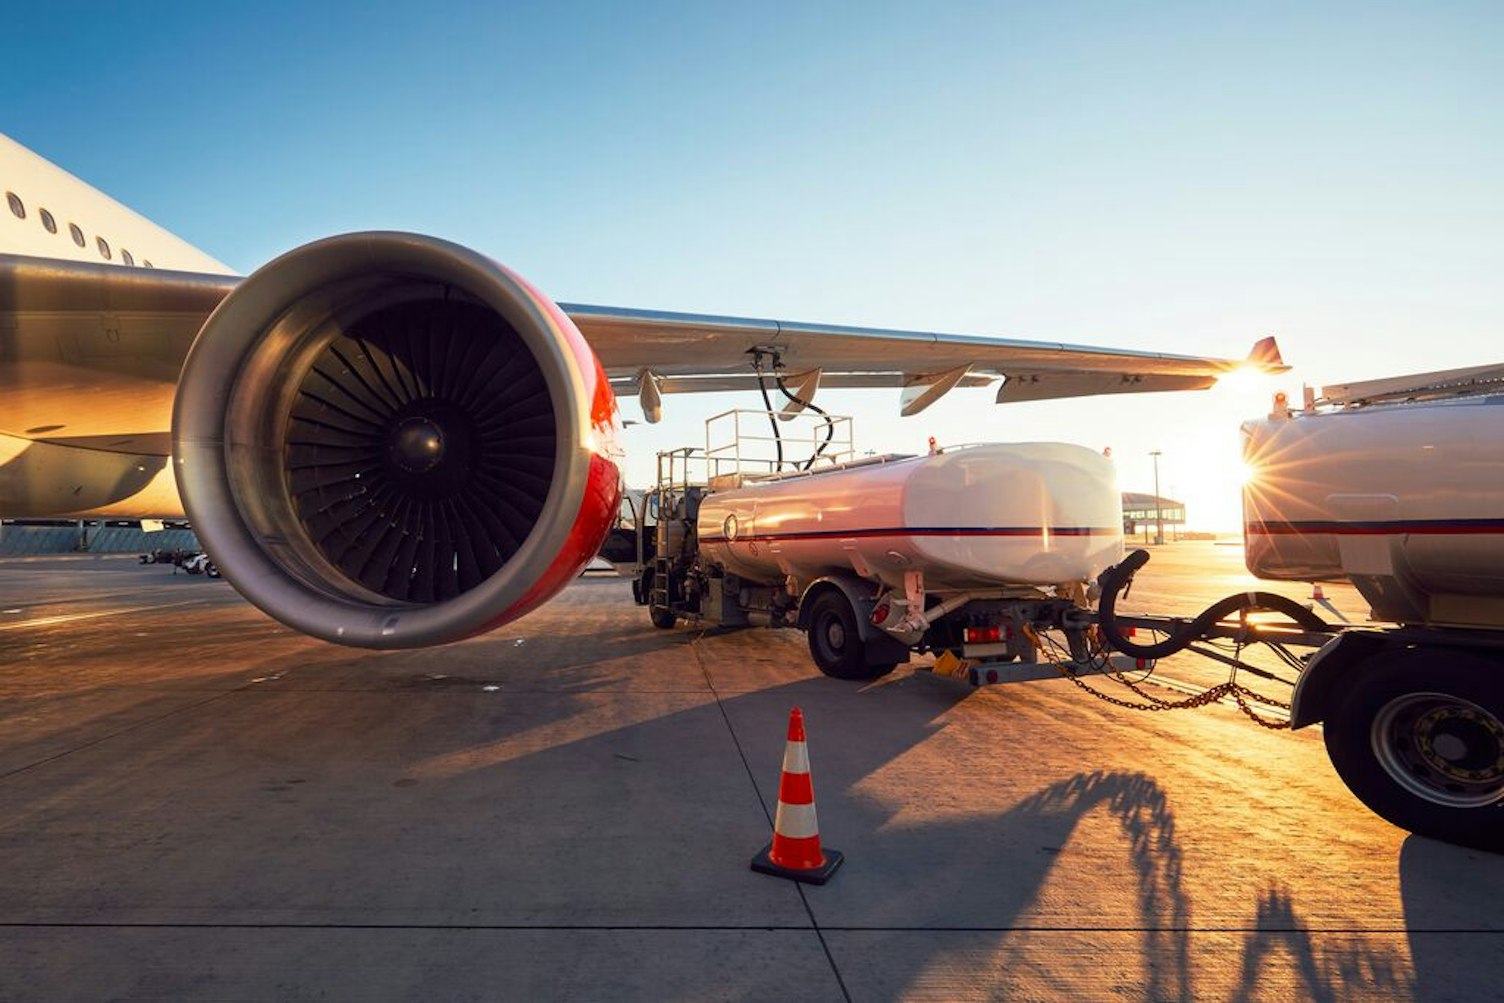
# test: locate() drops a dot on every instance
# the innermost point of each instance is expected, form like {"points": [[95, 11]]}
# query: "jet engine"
{"points": [[390, 441]]}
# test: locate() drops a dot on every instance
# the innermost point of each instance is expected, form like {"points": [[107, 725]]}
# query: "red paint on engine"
{"points": [[602, 495]]}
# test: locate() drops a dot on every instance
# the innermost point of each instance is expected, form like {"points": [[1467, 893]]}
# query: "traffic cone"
{"points": [[795, 850], [1316, 592]]}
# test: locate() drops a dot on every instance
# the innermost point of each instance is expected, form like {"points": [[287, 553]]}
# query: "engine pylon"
{"points": [[795, 850]]}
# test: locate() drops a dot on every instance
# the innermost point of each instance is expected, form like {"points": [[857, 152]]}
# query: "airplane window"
{"points": [[16, 205], [78, 235], [104, 247], [48, 221], [125, 256]]}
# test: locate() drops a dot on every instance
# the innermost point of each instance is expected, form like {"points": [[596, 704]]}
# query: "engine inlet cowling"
{"points": [[388, 440]]}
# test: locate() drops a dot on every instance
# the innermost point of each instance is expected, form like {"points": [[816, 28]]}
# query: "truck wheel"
{"points": [[662, 618], [835, 640], [1420, 740]]}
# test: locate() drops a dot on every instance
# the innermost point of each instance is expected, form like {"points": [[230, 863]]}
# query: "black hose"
{"points": [[767, 405], [830, 426], [1116, 579]]}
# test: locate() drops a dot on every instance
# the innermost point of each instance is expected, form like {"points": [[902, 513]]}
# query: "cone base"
{"points": [[763, 864]]}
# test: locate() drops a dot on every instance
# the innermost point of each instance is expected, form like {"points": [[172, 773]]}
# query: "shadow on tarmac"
{"points": [[1442, 893], [1325, 976], [1148, 824], [1001, 881], [281, 804]]}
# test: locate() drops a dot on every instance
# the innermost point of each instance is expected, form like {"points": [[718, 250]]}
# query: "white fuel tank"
{"points": [[1017, 514], [1406, 500]]}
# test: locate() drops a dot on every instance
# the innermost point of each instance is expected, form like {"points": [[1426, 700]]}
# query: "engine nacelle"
{"points": [[390, 441]]}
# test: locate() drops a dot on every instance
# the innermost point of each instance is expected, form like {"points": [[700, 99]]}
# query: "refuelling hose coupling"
{"points": [[1116, 579]]}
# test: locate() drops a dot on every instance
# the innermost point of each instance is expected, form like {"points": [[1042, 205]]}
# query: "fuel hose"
{"points": [[767, 405], [830, 426], [1115, 580]]}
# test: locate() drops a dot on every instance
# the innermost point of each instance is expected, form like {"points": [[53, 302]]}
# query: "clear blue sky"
{"points": [[1182, 177]]}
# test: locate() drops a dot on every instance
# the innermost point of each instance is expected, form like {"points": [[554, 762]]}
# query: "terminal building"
{"points": [[1141, 513]]}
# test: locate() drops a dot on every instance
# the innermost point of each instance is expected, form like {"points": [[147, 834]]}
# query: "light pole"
{"points": [[1159, 518]]}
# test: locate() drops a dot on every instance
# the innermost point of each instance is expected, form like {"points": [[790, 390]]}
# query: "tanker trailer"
{"points": [[969, 553], [1398, 486]]}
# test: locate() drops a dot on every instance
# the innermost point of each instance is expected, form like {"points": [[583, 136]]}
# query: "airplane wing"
{"points": [[92, 352], [104, 344], [690, 352]]}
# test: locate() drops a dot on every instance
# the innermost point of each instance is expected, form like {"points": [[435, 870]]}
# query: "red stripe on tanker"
{"points": [[1420, 482]]}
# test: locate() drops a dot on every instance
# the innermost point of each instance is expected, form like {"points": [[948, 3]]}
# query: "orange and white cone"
{"points": [[795, 850], [1317, 592]]}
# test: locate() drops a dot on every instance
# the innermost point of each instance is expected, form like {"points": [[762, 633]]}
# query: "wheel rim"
{"points": [[835, 634], [1441, 748], [832, 636]]}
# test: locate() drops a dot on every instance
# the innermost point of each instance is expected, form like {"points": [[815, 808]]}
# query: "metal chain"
{"points": [[1234, 688], [1155, 703], [1238, 694], [1231, 688], [1263, 699], [1237, 691]]}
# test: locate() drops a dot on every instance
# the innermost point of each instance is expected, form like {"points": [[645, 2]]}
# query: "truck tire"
{"points": [[835, 640], [663, 618], [1420, 740]]}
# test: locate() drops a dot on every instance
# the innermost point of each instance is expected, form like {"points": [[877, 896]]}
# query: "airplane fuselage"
{"points": [[86, 383]]}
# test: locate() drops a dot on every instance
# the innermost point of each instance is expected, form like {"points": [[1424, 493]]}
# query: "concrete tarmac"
{"points": [[196, 803]]}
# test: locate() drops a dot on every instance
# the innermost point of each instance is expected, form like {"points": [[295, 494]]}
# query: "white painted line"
{"points": [[49, 621]]}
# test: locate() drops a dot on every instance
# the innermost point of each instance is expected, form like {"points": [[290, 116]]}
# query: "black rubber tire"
{"points": [[1383, 740], [835, 642], [663, 618]]}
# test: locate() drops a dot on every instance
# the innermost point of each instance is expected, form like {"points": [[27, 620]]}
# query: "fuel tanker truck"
{"points": [[968, 552], [986, 555]]}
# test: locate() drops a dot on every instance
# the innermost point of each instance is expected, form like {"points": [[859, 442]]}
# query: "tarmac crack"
{"points": [[694, 646]]}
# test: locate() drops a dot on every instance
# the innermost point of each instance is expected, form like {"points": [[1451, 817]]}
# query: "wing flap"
{"points": [[628, 386], [1052, 386]]}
